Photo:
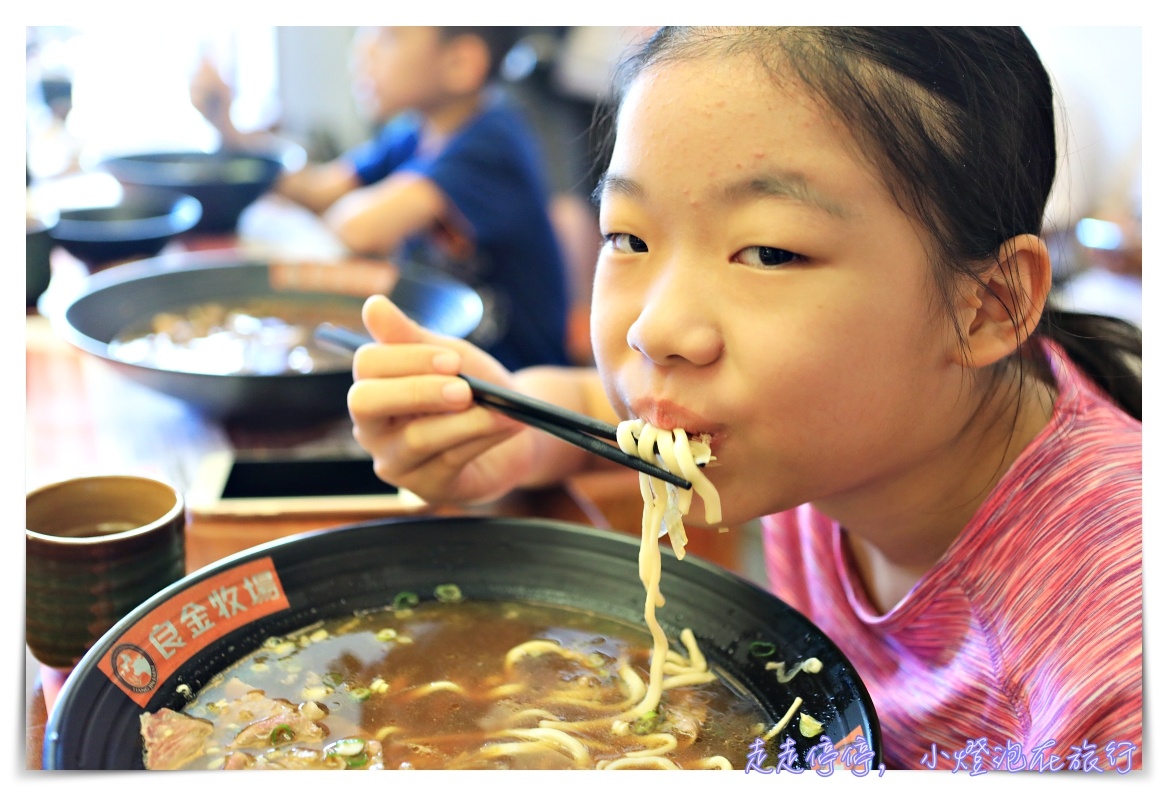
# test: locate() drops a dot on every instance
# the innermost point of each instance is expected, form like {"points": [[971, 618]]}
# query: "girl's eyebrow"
{"points": [[783, 185], [789, 185], [617, 184]]}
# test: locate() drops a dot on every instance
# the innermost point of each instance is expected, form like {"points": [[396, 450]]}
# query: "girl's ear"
{"points": [[999, 313]]}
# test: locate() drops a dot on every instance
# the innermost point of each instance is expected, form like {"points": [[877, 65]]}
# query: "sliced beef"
{"points": [[266, 722], [173, 739], [297, 758]]}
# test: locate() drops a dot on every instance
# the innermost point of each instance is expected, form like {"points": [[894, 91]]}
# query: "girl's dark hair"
{"points": [[960, 123]]}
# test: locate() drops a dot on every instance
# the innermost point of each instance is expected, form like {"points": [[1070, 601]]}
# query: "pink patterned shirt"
{"points": [[1023, 645]]}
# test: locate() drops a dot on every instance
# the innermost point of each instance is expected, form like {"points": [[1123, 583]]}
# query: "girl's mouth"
{"points": [[666, 415]]}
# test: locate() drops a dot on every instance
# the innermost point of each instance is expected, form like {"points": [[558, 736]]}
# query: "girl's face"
{"points": [[758, 283]]}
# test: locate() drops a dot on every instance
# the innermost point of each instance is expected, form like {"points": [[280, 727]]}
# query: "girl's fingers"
{"points": [[436, 477], [427, 436], [401, 448], [370, 400], [417, 438], [392, 328], [416, 418], [388, 324], [392, 361]]}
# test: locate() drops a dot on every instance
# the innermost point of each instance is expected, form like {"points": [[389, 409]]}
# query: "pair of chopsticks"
{"points": [[578, 429]]}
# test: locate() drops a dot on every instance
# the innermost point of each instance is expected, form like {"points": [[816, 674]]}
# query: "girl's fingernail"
{"points": [[456, 392], [446, 362]]}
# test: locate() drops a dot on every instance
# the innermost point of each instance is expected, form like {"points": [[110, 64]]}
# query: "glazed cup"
{"points": [[96, 548]]}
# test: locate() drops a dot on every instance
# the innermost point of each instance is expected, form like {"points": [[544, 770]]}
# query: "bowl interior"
{"points": [[330, 573], [131, 294], [90, 511], [120, 299]]}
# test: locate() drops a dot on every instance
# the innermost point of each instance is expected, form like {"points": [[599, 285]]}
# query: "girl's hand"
{"points": [[417, 419]]}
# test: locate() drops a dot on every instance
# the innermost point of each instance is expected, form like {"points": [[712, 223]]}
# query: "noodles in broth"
{"points": [[522, 685]]}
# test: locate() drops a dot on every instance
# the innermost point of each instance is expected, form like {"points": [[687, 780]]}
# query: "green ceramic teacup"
{"points": [[96, 548]]}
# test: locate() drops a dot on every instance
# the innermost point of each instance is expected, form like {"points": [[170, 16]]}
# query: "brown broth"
{"points": [[374, 686]]}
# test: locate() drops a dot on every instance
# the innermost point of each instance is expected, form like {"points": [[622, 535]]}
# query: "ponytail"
{"points": [[1108, 350]]}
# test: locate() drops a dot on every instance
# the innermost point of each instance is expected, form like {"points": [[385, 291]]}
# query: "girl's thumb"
{"points": [[387, 323]]}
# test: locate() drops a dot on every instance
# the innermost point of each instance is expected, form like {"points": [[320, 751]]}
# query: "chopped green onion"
{"points": [[405, 599], [448, 593], [387, 634], [349, 746], [645, 724], [332, 679], [360, 693], [760, 648], [282, 734], [360, 760]]}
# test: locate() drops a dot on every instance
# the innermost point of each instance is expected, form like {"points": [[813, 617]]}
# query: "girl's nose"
{"points": [[677, 323]]}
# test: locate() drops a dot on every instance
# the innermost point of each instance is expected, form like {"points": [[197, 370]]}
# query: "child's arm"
{"points": [[376, 218], [316, 186], [211, 96]]}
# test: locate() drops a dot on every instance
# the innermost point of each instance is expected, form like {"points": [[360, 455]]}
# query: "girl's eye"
{"points": [[766, 256], [625, 243]]}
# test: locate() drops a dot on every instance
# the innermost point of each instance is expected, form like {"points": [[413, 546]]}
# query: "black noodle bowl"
{"points": [[95, 721]]}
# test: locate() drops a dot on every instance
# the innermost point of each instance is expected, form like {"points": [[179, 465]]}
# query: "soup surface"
{"points": [[261, 336], [450, 685]]}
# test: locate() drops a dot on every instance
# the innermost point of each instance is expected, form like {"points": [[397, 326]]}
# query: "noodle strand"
{"points": [[664, 505]]}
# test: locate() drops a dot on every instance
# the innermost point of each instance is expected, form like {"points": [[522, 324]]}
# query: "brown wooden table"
{"points": [[82, 418]]}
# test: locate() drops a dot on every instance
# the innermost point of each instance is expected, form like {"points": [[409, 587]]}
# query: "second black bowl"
{"points": [[138, 225], [226, 182]]}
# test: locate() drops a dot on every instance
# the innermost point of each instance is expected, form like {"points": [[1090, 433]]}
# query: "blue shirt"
{"points": [[500, 241]]}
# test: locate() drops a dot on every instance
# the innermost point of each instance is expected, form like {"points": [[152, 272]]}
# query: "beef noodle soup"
{"points": [[260, 336], [458, 685]]}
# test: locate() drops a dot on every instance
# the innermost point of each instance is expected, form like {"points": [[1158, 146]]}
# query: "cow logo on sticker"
{"points": [[134, 668]]}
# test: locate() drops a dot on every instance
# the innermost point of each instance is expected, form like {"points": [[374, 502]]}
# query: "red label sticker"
{"points": [[855, 734], [169, 635], [854, 753]]}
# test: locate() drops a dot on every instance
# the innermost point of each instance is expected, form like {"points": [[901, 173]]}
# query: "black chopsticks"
{"points": [[578, 429]]}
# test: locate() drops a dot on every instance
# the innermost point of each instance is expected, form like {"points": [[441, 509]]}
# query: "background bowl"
{"points": [[226, 182], [94, 723], [138, 224], [121, 297], [38, 244]]}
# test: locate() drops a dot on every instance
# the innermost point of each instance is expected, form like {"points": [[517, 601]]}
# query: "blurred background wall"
{"points": [[90, 94], [297, 78]]}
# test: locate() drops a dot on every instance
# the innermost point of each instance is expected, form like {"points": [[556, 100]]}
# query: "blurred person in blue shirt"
{"points": [[454, 180]]}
